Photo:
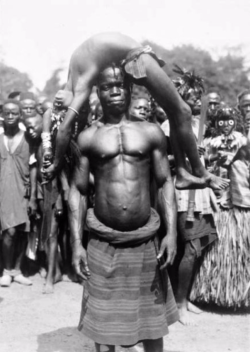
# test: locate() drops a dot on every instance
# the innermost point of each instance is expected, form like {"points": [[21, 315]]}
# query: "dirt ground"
{"points": [[33, 322]]}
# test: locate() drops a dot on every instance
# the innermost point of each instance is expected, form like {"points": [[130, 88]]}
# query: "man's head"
{"points": [[113, 89], [244, 102], [140, 108], [247, 122], [160, 114], [11, 113], [39, 103], [45, 106], [226, 120], [34, 126], [28, 104], [214, 100], [190, 87]]}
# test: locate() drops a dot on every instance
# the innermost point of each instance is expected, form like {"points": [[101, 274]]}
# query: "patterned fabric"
{"points": [[203, 225], [202, 200], [240, 186], [134, 64], [127, 298], [230, 144], [118, 237]]}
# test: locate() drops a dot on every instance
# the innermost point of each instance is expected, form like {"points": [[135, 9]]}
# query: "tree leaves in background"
{"points": [[228, 74], [13, 80]]}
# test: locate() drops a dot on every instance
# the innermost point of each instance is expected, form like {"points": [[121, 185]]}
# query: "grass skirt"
{"points": [[224, 275]]}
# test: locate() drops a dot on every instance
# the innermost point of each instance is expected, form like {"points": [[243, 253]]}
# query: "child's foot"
{"points": [[48, 288], [193, 309]]}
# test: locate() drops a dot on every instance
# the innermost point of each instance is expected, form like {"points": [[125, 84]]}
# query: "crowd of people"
{"points": [[47, 188]]}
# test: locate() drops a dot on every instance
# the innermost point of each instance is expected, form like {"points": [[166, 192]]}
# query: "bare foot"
{"points": [[215, 182], [185, 317], [184, 180], [58, 277], [43, 272], [192, 308], [48, 288]]}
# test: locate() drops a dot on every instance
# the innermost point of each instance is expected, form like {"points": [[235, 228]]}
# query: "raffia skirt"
{"points": [[224, 275]]}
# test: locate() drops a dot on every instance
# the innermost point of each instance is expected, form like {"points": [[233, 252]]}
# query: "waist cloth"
{"points": [[201, 232], [134, 65], [123, 300]]}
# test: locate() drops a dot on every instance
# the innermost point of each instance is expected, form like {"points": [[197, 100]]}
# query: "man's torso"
{"points": [[119, 157]]}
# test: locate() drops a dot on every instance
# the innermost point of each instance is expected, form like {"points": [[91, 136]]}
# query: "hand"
{"points": [[201, 150], [222, 157], [169, 245], [47, 157], [79, 261], [48, 173], [32, 207]]}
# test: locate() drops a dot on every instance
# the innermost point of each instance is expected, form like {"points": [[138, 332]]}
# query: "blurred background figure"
{"points": [[140, 108], [244, 102], [28, 103]]}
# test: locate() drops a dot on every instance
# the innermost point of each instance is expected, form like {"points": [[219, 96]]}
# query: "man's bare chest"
{"points": [[110, 142]]}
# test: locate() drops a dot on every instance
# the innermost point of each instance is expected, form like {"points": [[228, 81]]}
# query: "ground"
{"points": [[33, 322]]}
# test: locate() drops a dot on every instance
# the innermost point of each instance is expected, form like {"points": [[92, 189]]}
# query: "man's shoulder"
{"points": [[86, 136], [154, 131]]}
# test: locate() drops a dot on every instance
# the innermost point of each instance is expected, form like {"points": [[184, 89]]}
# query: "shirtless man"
{"points": [[123, 287], [143, 67]]}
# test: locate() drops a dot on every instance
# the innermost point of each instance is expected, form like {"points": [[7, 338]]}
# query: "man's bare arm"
{"points": [[77, 213], [65, 129], [167, 201]]}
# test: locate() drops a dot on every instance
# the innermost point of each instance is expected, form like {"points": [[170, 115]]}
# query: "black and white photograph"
{"points": [[124, 176]]}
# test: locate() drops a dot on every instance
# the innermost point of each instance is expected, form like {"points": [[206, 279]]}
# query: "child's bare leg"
{"points": [[51, 255], [163, 90], [104, 348]]}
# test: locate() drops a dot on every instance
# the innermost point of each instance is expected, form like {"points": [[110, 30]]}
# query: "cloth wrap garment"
{"points": [[134, 65], [14, 180], [124, 300]]}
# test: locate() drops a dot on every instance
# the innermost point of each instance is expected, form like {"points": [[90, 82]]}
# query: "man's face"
{"points": [[213, 101], [11, 114], [193, 99], [140, 108], [247, 122], [28, 107], [226, 126], [244, 104], [114, 93], [34, 126], [39, 103]]}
